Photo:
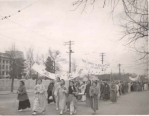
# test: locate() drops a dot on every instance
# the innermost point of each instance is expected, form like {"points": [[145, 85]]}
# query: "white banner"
{"points": [[41, 70], [134, 79]]}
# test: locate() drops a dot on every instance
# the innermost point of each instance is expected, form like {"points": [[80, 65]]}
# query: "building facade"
{"points": [[4, 65], [5, 62], [18, 54]]}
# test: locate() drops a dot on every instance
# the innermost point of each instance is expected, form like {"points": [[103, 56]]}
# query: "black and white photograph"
{"points": [[74, 57]]}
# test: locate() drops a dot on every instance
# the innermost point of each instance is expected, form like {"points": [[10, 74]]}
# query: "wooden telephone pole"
{"points": [[70, 43]]}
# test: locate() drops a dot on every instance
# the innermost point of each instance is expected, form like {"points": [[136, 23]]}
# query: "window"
{"points": [[3, 66], [3, 73], [3, 61], [7, 61], [0, 66], [0, 72], [6, 66]]}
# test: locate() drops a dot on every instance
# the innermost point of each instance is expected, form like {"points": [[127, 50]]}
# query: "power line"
{"points": [[17, 40], [8, 16], [30, 30], [6, 43]]}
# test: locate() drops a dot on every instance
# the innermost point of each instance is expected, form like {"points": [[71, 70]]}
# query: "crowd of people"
{"points": [[65, 95]]}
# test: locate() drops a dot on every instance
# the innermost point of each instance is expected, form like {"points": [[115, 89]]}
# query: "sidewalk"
{"points": [[14, 92]]}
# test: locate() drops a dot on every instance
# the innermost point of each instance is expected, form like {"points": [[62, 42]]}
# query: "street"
{"points": [[134, 103]]}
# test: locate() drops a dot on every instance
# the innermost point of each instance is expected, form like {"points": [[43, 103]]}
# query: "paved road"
{"points": [[135, 103]]}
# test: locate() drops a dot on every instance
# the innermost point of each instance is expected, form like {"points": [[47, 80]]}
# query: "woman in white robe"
{"points": [[145, 86], [62, 91], [129, 87], [83, 87], [117, 89], [40, 101]]}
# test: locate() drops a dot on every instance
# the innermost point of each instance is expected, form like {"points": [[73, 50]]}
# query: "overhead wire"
{"points": [[30, 29], [5, 42], [18, 40], [8, 16]]}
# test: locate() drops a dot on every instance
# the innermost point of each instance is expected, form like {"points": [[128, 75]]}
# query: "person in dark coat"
{"points": [[87, 93], [126, 87], [135, 86], [72, 98], [106, 91], [123, 88], [132, 89], [24, 102], [101, 90], [113, 92], [50, 92]]}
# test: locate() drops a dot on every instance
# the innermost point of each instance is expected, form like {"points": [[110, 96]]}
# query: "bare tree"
{"points": [[12, 57], [30, 60], [54, 55], [74, 65], [136, 25], [135, 21]]}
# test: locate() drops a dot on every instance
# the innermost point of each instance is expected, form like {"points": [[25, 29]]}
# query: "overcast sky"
{"points": [[50, 23]]}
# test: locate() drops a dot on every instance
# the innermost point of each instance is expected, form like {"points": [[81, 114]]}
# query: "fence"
{"points": [[5, 84]]}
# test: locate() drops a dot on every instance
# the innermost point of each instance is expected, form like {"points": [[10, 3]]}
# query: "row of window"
{"points": [[4, 73], [4, 67], [4, 61]]}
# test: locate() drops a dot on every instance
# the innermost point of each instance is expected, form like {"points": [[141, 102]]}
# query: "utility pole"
{"points": [[102, 57], [70, 43], [119, 65]]}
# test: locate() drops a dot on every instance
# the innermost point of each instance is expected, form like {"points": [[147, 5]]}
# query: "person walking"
{"points": [[72, 98], [106, 91], [132, 86], [40, 102], [87, 93], [142, 86], [117, 89], [113, 92], [94, 97], [55, 91], [129, 87], [24, 102], [98, 86], [82, 88], [62, 91], [50, 92], [101, 90]]}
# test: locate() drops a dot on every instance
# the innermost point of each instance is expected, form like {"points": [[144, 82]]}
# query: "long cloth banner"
{"points": [[134, 79], [41, 70]]}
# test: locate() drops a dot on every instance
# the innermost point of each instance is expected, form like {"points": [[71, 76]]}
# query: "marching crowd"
{"points": [[66, 95]]}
